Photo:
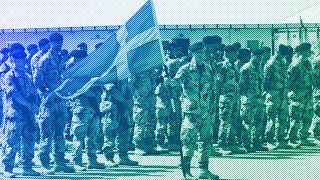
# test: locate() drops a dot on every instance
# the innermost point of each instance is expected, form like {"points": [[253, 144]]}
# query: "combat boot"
{"points": [[110, 163], [249, 149], [205, 173], [125, 160], [258, 146], [187, 169], [237, 149], [283, 145], [64, 168], [8, 172], [306, 142], [29, 172], [162, 149], [94, 164], [78, 164]]}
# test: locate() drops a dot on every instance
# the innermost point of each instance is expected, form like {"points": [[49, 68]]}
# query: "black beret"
{"points": [[43, 42], [211, 39], [243, 52], [237, 45], [4, 51], [64, 52], [230, 48], [78, 53], [303, 47], [98, 45], [265, 49], [18, 54], [196, 47], [82, 45], [283, 49], [32, 46], [16, 46], [55, 37], [257, 52]]}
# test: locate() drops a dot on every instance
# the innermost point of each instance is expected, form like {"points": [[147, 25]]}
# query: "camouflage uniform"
{"points": [[4, 68], [228, 79], [116, 108], [197, 103], [175, 113], [53, 113], [316, 98], [19, 123], [275, 85], [163, 109], [85, 125], [252, 106], [143, 112], [300, 98]]}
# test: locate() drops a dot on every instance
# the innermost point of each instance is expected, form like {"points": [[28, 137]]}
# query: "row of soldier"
{"points": [[228, 96]]}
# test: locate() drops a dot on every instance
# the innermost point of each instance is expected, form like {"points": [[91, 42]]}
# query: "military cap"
{"points": [[265, 49], [4, 51], [16, 46], [257, 52], [32, 46], [98, 45], [43, 42], [237, 45], [289, 49], [78, 53], [64, 52], [55, 37], [211, 40], [196, 47], [303, 47], [243, 52], [230, 48], [82, 45], [283, 49]]}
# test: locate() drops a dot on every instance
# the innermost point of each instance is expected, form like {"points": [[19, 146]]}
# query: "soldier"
{"points": [[315, 128], [19, 107], [244, 56], [32, 50], [197, 82], [300, 96], [252, 105], [4, 67], [44, 46], [85, 126], [275, 86], [163, 109], [143, 112], [53, 112], [116, 108], [228, 87]]}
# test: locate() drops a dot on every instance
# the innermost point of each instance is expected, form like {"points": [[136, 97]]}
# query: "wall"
{"points": [[72, 39]]}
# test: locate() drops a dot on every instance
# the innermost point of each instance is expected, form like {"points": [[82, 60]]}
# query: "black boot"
{"points": [[205, 173], [186, 167]]}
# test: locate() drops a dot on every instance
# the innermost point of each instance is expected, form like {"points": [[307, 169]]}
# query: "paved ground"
{"points": [[303, 163]]}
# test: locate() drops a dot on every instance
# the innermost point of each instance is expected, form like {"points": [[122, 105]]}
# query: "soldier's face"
{"points": [[57, 45]]}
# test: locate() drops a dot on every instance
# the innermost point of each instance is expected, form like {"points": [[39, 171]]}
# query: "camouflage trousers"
{"points": [[196, 134], [84, 128], [162, 131], [145, 124], [175, 119], [315, 127], [277, 113], [251, 113], [300, 115], [14, 131], [116, 133], [52, 120], [229, 123]]}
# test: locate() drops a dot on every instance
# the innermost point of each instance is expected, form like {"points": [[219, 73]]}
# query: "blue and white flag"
{"points": [[136, 47]]}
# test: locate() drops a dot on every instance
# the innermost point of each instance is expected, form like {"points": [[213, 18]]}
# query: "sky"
{"points": [[21, 14]]}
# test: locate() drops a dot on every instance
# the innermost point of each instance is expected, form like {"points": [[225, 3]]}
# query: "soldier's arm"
{"points": [[38, 76], [10, 89], [104, 104], [267, 77], [293, 76], [178, 78], [243, 82]]}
